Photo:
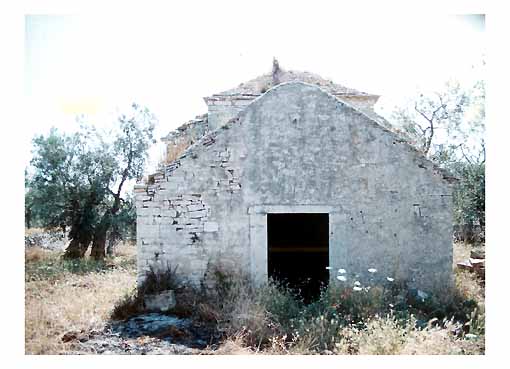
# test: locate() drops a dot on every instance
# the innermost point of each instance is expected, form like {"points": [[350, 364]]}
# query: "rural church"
{"points": [[291, 176]]}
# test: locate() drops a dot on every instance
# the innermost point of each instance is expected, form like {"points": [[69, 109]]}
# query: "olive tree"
{"points": [[448, 126], [78, 181]]}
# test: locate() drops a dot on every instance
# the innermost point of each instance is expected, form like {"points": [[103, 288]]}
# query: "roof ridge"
{"points": [[209, 138], [263, 82]]}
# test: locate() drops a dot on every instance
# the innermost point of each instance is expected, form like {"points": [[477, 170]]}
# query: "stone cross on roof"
{"points": [[275, 72]]}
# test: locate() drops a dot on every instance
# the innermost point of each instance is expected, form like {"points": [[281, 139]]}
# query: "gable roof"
{"points": [[257, 86], [262, 83], [210, 138]]}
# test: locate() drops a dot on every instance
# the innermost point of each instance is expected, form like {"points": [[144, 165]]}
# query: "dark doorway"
{"points": [[298, 251]]}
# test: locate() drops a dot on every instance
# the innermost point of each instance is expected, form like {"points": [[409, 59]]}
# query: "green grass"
{"points": [[49, 265]]}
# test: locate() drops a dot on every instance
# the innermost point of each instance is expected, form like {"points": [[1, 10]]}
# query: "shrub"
{"points": [[239, 309], [130, 305], [281, 304], [378, 319], [158, 281], [383, 336], [155, 281]]}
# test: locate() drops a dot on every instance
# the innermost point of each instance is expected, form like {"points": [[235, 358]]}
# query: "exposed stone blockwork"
{"points": [[175, 225]]}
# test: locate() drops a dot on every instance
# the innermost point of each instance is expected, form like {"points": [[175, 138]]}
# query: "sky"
{"points": [[94, 64]]}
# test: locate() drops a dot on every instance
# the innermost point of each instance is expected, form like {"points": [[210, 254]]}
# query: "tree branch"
{"points": [[420, 112], [464, 155]]}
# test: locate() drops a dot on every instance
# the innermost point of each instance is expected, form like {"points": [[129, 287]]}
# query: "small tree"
{"points": [[439, 121], [79, 180], [469, 197], [448, 127], [129, 155], [123, 226]]}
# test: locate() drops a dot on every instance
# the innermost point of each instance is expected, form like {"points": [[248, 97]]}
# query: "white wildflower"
{"points": [[341, 271], [357, 283], [341, 278], [422, 295], [390, 279], [356, 288], [372, 270]]}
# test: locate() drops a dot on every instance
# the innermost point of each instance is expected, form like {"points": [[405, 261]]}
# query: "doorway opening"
{"points": [[298, 251]]}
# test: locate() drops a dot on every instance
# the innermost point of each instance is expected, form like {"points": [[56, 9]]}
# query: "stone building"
{"points": [[293, 176]]}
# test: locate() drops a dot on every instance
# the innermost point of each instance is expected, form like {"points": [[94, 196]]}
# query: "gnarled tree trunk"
{"points": [[98, 251], [112, 242], [75, 250], [80, 241]]}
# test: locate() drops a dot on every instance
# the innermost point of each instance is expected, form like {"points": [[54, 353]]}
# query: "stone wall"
{"points": [[363, 102], [192, 130], [180, 215], [184, 136], [298, 149], [223, 108]]}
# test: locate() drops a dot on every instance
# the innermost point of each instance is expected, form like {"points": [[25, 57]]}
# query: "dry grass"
{"points": [[253, 321], [469, 287], [266, 321], [235, 345], [440, 341], [32, 231], [388, 336], [35, 254], [56, 304], [461, 252]]}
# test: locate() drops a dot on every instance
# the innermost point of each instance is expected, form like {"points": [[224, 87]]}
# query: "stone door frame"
{"points": [[258, 234]]}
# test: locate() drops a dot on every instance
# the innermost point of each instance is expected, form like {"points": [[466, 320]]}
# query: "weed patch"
{"points": [[377, 319]]}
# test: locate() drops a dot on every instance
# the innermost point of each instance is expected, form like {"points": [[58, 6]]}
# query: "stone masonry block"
{"points": [[198, 214], [195, 207], [211, 227]]}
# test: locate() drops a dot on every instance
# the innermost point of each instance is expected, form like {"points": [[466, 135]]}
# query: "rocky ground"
{"points": [[54, 240], [148, 334]]}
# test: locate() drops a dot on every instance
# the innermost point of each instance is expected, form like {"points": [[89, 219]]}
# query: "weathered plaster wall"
{"points": [[223, 108], [299, 149], [392, 212]]}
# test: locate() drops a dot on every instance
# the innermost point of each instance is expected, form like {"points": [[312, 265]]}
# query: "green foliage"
{"points": [[77, 180], [123, 225], [281, 303], [273, 313], [469, 200], [449, 127], [368, 319], [52, 267], [56, 268], [445, 124]]}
